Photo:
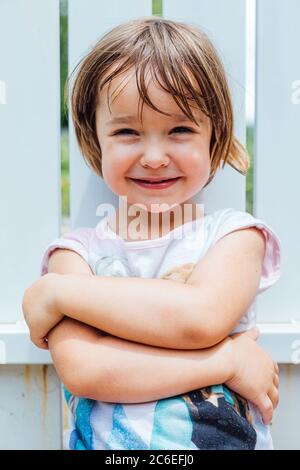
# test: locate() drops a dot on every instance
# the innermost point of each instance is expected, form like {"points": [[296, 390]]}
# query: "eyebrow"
{"points": [[130, 119]]}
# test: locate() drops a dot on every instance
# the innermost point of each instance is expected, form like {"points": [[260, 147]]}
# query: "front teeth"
{"points": [[154, 182]]}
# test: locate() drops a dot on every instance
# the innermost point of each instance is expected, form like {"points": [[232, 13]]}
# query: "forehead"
{"points": [[125, 100]]}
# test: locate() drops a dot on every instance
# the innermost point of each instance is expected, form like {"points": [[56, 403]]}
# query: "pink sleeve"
{"points": [[77, 240], [234, 220]]}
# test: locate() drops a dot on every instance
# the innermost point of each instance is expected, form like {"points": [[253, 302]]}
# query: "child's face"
{"points": [[162, 147]]}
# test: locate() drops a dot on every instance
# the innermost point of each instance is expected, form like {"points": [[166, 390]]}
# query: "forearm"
{"points": [[150, 311], [143, 373], [115, 370]]}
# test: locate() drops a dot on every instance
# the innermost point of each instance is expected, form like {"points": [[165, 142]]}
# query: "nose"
{"points": [[154, 157]]}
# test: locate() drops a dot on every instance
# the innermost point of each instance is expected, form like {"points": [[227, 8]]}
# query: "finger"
{"points": [[44, 344], [276, 380], [39, 342], [274, 396], [276, 367], [265, 407], [253, 333]]}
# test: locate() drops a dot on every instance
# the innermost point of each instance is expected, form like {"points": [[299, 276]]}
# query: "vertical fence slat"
{"points": [[29, 144], [276, 186], [29, 205], [277, 162], [285, 424], [225, 24]]}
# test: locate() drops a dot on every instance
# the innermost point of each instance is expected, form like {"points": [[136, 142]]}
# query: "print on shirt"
{"points": [[221, 419], [112, 265]]}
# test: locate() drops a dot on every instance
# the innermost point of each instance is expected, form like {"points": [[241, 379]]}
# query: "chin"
{"points": [[162, 207]]}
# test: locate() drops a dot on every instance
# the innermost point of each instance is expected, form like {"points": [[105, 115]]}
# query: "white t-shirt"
{"points": [[210, 418]]}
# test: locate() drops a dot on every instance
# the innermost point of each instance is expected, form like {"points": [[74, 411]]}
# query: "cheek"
{"points": [[115, 162], [198, 162], [111, 171]]}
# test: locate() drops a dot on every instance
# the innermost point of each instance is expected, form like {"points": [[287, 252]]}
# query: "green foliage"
{"points": [[249, 177], [157, 7], [65, 180], [63, 59]]}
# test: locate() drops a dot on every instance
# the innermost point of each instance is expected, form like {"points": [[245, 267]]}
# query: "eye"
{"points": [[124, 131], [177, 130], [181, 130]]}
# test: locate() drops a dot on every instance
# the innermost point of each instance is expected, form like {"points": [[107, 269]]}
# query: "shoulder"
{"points": [[243, 241], [78, 240], [260, 235], [228, 215], [224, 221]]}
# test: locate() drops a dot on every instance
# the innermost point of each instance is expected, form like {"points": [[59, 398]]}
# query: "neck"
{"points": [[133, 223]]}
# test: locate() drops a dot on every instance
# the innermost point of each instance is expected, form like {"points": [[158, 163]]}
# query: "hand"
{"points": [[39, 308], [255, 374]]}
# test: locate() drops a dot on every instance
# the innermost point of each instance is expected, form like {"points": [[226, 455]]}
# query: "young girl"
{"points": [[140, 327]]}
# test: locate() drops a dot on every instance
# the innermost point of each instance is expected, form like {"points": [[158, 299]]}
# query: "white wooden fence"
{"points": [[30, 395]]}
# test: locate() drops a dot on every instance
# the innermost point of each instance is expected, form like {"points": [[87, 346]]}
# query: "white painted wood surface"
{"points": [[277, 165], [277, 195], [285, 426], [30, 414], [29, 144]]}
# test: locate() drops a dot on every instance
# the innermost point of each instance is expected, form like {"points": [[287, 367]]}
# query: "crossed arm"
{"points": [[160, 312], [150, 312]]}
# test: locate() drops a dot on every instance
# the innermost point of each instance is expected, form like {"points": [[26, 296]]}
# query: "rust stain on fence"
{"points": [[288, 375], [45, 391], [40, 376]]}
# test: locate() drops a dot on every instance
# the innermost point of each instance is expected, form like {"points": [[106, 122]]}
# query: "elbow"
{"points": [[84, 384], [202, 336], [203, 328], [85, 380], [195, 340], [72, 375], [73, 371], [74, 387], [77, 357], [75, 381]]}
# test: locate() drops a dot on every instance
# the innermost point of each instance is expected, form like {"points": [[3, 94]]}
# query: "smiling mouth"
{"points": [[155, 181], [151, 184]]}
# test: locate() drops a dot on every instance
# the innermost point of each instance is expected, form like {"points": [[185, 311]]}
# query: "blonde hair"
{"points": [[183, 62]]}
